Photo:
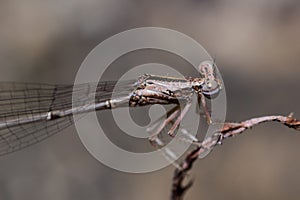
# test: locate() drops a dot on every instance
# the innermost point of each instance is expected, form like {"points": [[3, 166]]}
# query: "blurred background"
{"points": [[257, 49]]}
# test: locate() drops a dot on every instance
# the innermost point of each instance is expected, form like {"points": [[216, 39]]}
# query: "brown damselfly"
{"points": [[30, 113]]}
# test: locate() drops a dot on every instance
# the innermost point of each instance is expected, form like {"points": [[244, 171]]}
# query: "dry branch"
{"points": [[228, 130]]}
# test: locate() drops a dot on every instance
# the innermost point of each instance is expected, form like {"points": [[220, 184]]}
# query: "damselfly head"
{"points": [[211, 86]]}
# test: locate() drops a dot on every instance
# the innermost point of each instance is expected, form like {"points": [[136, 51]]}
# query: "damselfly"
{"points": [[29, 113]]}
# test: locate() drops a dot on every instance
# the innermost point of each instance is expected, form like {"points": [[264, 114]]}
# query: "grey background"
{"points": [[257, 47]]}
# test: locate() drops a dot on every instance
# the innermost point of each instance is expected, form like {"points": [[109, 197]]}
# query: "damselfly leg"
{"points": [[179, 119]]}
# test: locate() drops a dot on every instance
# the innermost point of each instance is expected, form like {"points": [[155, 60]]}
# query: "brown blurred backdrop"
{"points": [[257, 48]]}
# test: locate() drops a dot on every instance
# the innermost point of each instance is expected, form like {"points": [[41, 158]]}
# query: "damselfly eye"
{"points": [[211, 89], [206, 68]]}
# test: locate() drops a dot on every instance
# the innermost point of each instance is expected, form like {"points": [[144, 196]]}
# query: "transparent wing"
{"points": [[19, 101]]}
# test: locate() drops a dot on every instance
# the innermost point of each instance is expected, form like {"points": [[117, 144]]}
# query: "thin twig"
{"points": [[228, 130]]}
